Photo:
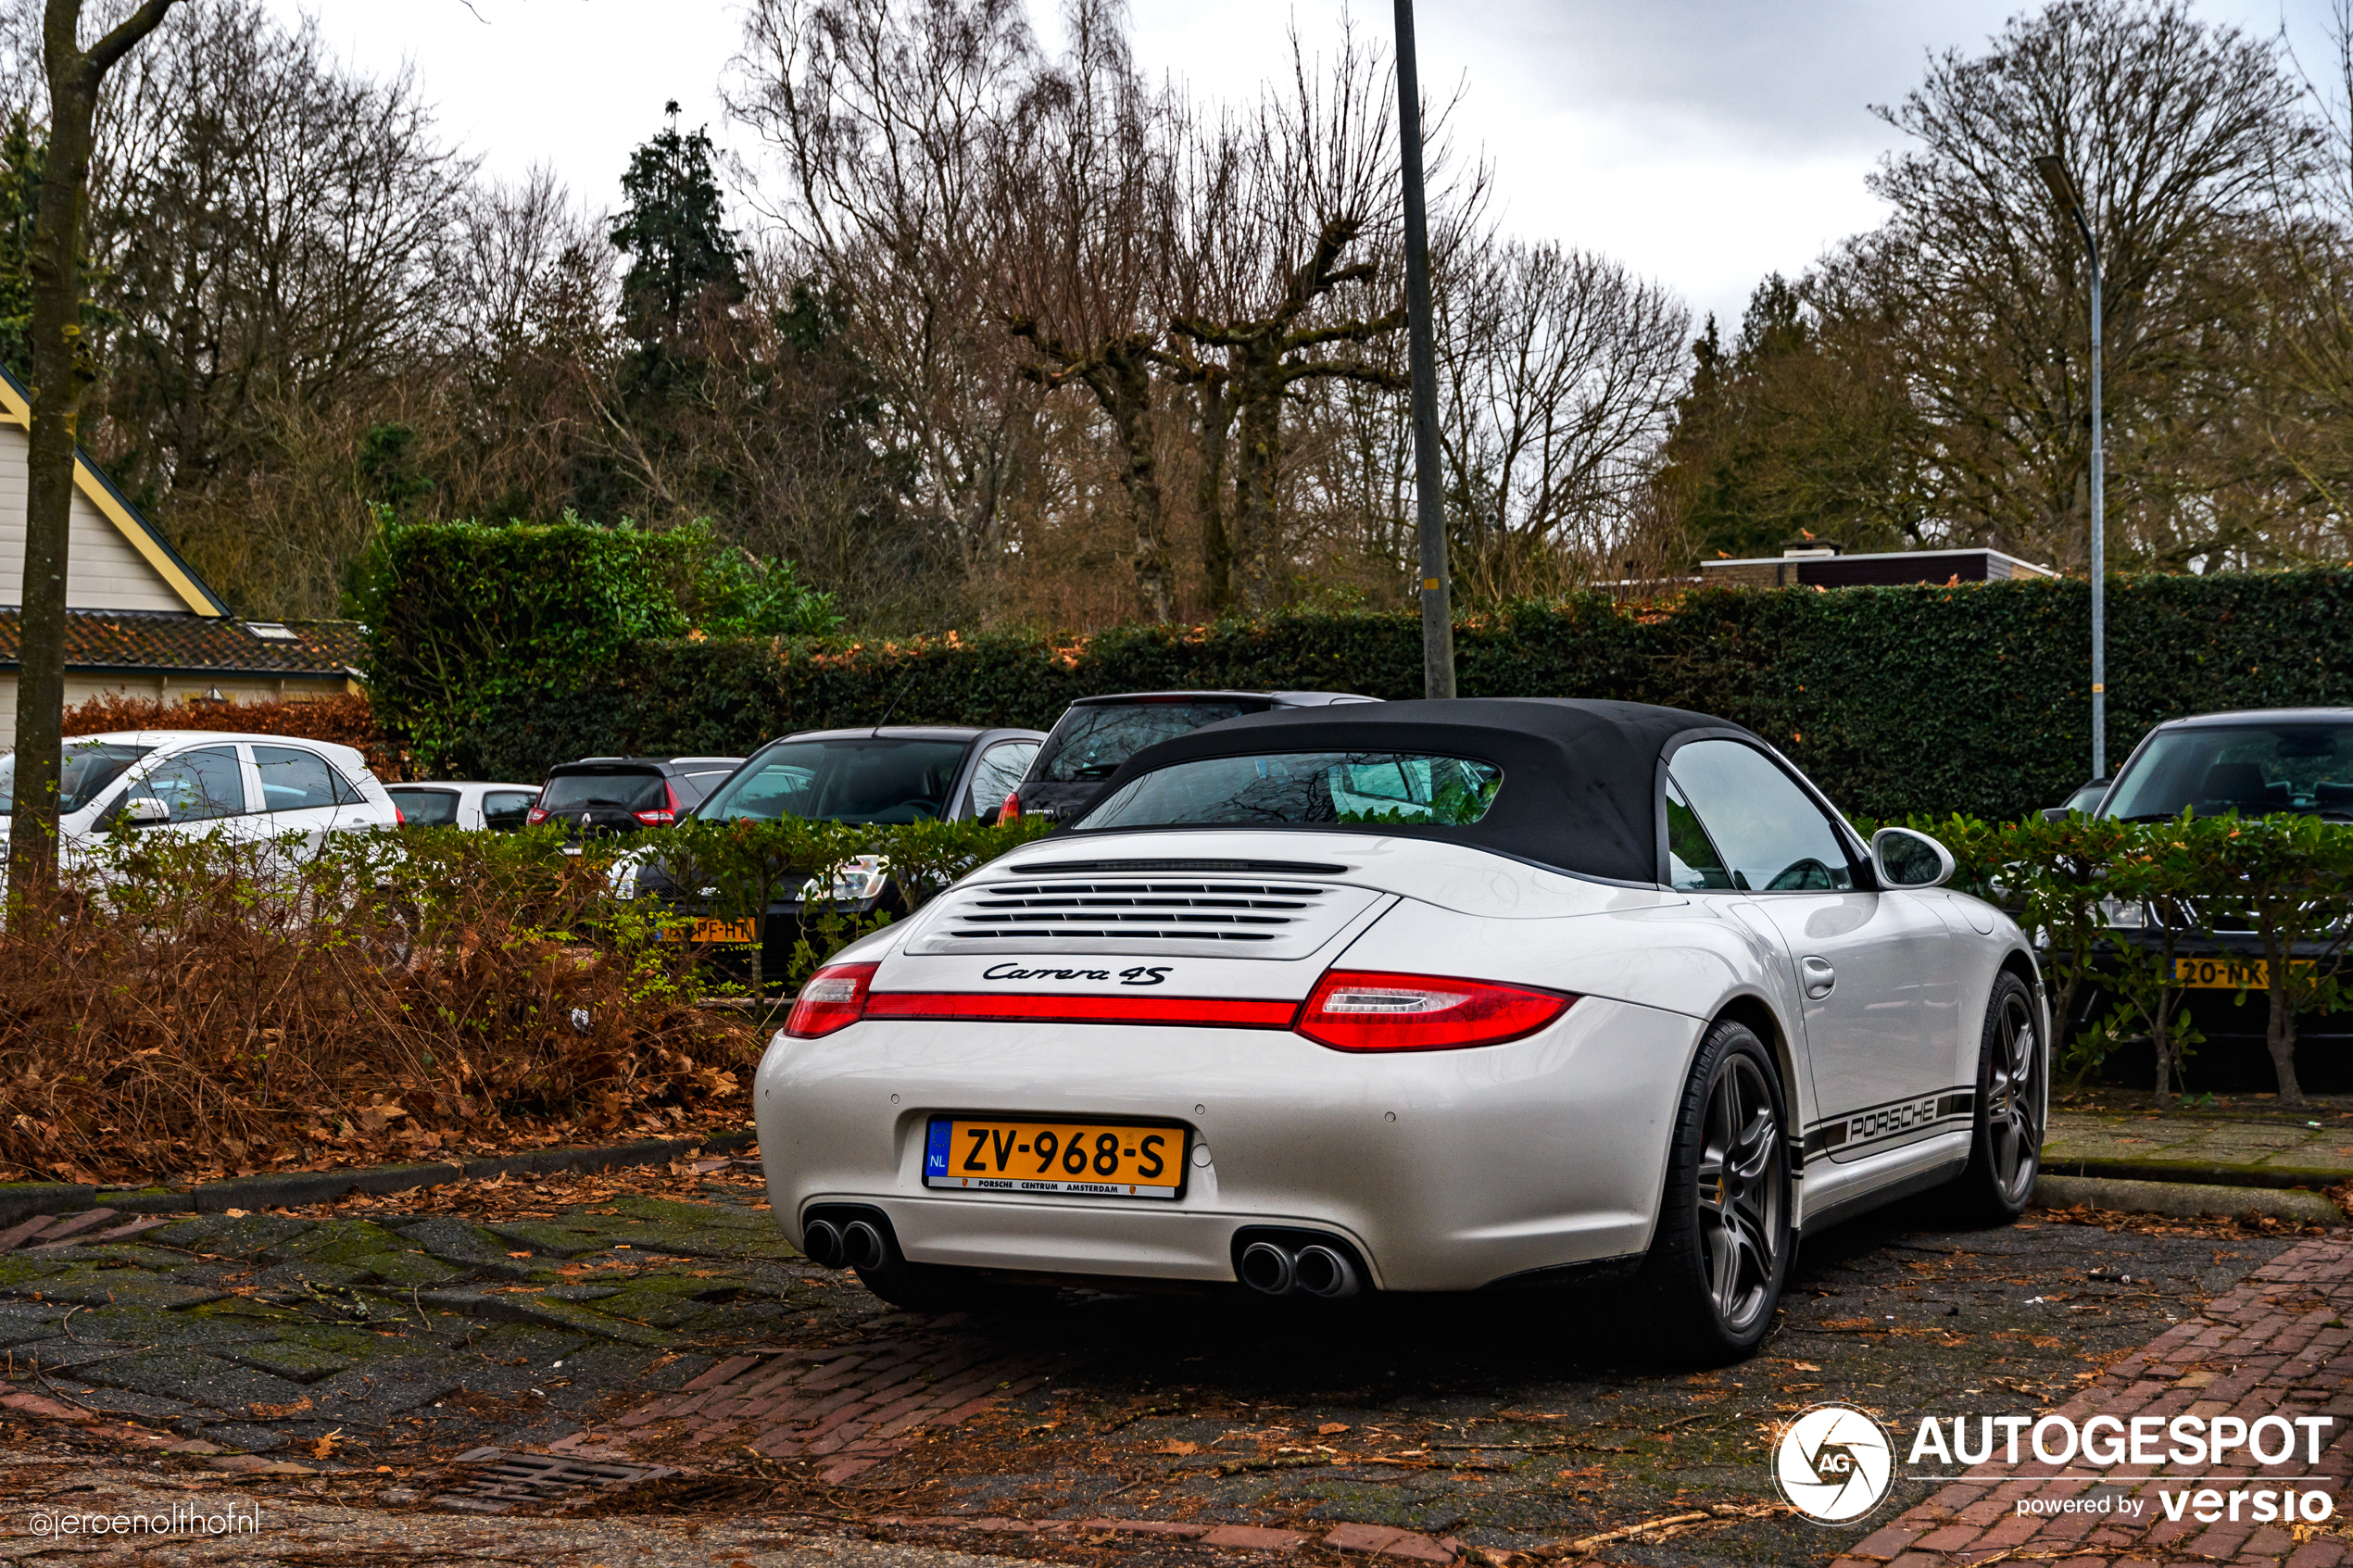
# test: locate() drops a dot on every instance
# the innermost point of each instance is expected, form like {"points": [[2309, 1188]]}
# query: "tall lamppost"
{"points": [[1438, 617], [2070, 201]]}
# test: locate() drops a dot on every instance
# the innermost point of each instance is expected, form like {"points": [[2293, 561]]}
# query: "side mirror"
{"points": [[2055, 813], [1904, 858], [144, 811]]}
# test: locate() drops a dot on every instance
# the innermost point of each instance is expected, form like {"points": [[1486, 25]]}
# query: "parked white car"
{"points": [[498, 807], [250, 787], [1414, 997]]}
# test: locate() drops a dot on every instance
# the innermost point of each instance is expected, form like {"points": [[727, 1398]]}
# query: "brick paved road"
{"points": [[2278, 1345], [1156, 1429]]}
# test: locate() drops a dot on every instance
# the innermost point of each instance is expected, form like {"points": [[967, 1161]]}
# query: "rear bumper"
{"points": [[1447, 1169]]}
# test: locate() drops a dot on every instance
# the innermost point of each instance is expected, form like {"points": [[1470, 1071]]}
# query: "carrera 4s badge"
{"points": [[1142, 975]]}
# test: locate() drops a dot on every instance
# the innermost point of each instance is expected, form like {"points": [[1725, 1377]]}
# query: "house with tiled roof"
{"points": [[140, 621]]}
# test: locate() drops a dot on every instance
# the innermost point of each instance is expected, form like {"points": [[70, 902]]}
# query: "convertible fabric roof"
{"points": [[1579, 777]]}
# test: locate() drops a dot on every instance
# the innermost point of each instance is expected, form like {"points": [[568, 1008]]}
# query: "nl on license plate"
{"points": [[1093, 1158]]}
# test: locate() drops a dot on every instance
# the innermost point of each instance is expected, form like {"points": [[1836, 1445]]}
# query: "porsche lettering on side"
{"points": [[1441, 997]]}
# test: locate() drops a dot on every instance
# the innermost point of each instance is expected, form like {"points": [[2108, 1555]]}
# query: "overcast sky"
{"points": [[1705, 142]]}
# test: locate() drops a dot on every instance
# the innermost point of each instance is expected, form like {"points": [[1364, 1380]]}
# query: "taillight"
{"points": [[1012, 809], [834, 999], [399, 818], [1354, 1009], [536, 815], [662, 816]]}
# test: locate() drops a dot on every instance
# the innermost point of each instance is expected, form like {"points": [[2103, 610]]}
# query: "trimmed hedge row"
{"points": [[1962, 698]]}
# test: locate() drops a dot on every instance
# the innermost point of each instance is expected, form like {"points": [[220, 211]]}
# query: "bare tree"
{"points": [[1305, 274], [882, 117], [1558, 371], [1085, 244], [2173, 127], [62, 368]]}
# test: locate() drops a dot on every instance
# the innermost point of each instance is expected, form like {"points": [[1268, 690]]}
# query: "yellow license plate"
{"points": [[2223, 973], [1085, 1159], [737, 931]]}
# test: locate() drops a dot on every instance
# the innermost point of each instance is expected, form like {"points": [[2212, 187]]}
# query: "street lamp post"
{"points": [[1438, 617], [2070, 201]]}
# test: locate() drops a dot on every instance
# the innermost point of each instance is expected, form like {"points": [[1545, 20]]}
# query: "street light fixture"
{"points": [[1438, 617], [2069, 201]]}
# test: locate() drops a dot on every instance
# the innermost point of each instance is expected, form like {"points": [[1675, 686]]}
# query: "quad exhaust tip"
{"points": [[1326, 1271], [1269, 1269], [1272, 1268], [861, 1246], [821, 1244]]}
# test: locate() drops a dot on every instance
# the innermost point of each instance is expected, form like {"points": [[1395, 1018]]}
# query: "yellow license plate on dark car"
{"points": [[737, 931], [1085, 1159], [2228, 974]]}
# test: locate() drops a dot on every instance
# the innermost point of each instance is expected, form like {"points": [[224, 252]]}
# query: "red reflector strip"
{"points": [[992, 1007]]}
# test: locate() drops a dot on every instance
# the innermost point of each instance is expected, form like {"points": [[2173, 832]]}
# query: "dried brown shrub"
{"points": [[343, 719], [189, 1007]]}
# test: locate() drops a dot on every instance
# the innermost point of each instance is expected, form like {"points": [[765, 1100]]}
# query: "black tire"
{"points": [[1721, 1249], [2013, 1098]]}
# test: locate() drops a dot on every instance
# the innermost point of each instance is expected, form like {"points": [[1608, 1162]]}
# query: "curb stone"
{"points": [[2185, 1199], [20, 1200], [2198, 1172]]}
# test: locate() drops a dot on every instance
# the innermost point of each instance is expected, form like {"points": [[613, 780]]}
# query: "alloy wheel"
{"points": [[2014, 1099], [1742, 1192]]}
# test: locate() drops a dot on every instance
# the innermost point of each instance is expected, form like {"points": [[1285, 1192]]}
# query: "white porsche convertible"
{"points": [[1414, 997]]}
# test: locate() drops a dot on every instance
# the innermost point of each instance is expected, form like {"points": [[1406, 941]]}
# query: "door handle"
{"points": [[1820, 978]]}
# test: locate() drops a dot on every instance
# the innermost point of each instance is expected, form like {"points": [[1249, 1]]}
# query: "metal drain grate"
{"points": [[505, 1480]]}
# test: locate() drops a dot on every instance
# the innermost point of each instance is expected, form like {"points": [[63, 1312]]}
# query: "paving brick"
{"points": [[839, 1471], [1254, 1538], [1888, 1541], [724, 1371]]}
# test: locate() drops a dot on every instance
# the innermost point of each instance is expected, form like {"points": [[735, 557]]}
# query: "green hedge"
{"points": [[1939, 700]]}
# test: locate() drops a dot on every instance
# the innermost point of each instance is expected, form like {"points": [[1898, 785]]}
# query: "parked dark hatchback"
{"points": [[1095, 734], [600, 796]]}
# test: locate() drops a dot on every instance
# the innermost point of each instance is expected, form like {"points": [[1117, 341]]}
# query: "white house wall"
{"points": [[102, 571]]}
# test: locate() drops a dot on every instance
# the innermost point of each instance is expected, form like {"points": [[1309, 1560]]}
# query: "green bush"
{"points": [[1968, 698], [467, 622], [2287, 879]]}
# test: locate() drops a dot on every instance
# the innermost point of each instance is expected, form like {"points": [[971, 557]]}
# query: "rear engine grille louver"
{"points": [[1192, 910]]}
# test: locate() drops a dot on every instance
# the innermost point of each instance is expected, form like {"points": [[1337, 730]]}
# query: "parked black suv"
{"points": [[598, 796], [1095, 734]]}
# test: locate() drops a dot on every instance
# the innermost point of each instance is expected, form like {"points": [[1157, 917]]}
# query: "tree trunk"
{"points": [[61, 369], [1125, 388], [2278, 1030], [1216, 546], [1258, 399]]}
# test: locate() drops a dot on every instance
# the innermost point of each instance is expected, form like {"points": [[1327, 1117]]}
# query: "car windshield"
{"points": [[1350, 788], [857, 779], [88, 769], [1094, 738], [629, 791], [2251, 769]]}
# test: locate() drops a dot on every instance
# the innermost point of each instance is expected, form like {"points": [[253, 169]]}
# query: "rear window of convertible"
{"points": [[1350, 788]]}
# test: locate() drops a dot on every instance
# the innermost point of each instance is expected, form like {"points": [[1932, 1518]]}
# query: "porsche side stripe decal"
{"points": [[1893, 1119]]}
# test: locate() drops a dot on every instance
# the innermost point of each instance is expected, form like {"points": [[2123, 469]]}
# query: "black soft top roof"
{"points": [[1581, 778]]}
